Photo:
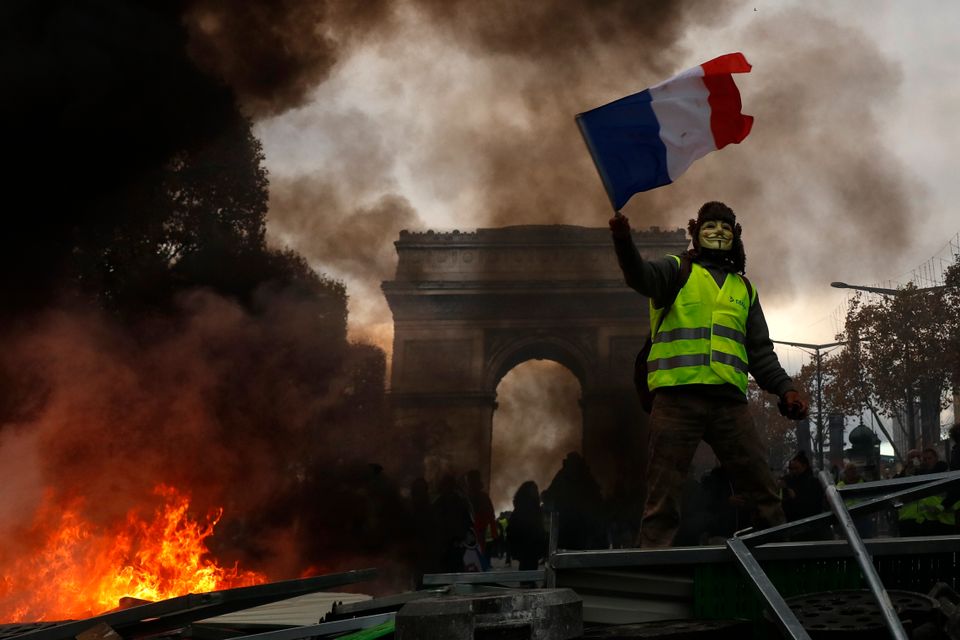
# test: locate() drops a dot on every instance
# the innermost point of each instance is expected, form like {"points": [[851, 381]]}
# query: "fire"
{"points": [[80, 570]]}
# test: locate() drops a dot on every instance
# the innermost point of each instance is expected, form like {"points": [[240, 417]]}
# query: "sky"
{"points": [[399, 125], [465, 120]]}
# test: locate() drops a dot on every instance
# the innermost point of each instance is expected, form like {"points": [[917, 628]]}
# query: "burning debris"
{"points": [[79, 569]]}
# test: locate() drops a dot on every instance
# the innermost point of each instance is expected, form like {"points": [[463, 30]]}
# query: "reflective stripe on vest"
{"points": [[703, 338]]}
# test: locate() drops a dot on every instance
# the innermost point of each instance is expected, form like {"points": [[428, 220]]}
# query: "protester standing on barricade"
{"points": [[708, 332]]}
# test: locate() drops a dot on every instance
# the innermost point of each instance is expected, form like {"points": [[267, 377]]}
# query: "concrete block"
{"points": [[522, 614]]}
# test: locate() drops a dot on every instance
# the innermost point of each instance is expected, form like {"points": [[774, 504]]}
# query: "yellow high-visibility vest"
{"points": [[850, 501], [702, 340], [926, 509]]}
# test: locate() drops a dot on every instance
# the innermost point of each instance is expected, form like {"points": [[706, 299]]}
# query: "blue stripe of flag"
{"points": [[624, 140]]}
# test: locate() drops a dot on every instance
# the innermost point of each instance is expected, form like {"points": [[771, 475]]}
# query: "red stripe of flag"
{"points": [[726, 122], [727, 63]]}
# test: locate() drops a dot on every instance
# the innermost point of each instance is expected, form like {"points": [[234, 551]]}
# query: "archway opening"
{"points": [[538, 421]]}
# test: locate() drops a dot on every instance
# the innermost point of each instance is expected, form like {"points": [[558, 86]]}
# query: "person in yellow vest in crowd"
{"points": [[929, 516], [851, 475], [708, 332]]}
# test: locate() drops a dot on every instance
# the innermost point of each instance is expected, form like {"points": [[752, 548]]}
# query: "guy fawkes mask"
{"points": [[716, 234]]}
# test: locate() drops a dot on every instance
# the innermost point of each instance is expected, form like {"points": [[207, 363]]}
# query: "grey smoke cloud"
{"points": [[488, 134], [818, 191], [472, 104]]}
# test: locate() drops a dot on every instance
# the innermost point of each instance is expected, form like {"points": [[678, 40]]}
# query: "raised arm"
{"points": [[656, 279]]}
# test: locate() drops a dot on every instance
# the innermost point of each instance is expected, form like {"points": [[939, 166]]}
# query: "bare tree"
{"points": [[902, 352]]}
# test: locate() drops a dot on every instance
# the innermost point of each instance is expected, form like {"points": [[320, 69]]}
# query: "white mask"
{"points": [[716, 234]]}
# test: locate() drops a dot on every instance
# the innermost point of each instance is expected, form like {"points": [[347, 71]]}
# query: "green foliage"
{"points": [[196, 221]]}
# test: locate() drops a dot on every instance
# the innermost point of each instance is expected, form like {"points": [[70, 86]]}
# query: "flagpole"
{"points": [[597, 166]]}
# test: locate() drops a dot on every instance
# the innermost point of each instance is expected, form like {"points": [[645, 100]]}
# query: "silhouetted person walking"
{"points": [[484, 517], [526, 536], [423, 532], [802, 495], [452, 513], [575, 495]]}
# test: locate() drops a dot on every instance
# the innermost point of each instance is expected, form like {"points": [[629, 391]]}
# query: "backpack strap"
{"points": [[750, 290], [686, 266]]}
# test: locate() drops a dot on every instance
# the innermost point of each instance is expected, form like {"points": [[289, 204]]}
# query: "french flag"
{"points": [[649, 139]]}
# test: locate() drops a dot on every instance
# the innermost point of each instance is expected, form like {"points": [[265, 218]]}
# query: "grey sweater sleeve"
{"points": [[764, 364], [658, 279]]}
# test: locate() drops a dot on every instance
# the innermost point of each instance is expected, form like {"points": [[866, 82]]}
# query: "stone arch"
{"points": [[468, 307], [524, 347], [538, 421]]}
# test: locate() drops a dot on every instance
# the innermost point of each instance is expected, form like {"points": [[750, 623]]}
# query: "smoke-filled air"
{"points": [[200, 204]]}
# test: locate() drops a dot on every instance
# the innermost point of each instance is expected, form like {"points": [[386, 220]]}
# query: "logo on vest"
{"points": [[738, 302]]}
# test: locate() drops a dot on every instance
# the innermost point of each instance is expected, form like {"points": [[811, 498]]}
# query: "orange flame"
{"points": [[80, 570]]}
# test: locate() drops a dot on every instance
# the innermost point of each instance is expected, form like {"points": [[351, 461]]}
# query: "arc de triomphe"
{"points": [[468, 307]]}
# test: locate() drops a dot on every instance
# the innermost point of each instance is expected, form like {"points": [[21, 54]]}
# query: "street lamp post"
{"points": [[857, 287], [882, 291], [817, 355]]}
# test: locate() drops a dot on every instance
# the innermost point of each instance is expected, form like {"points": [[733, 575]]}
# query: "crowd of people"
{"points": [[937, 514], [714, 510], [458, 530]]}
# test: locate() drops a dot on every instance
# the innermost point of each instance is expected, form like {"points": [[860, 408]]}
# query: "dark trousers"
{"points": [[678, 422]]}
